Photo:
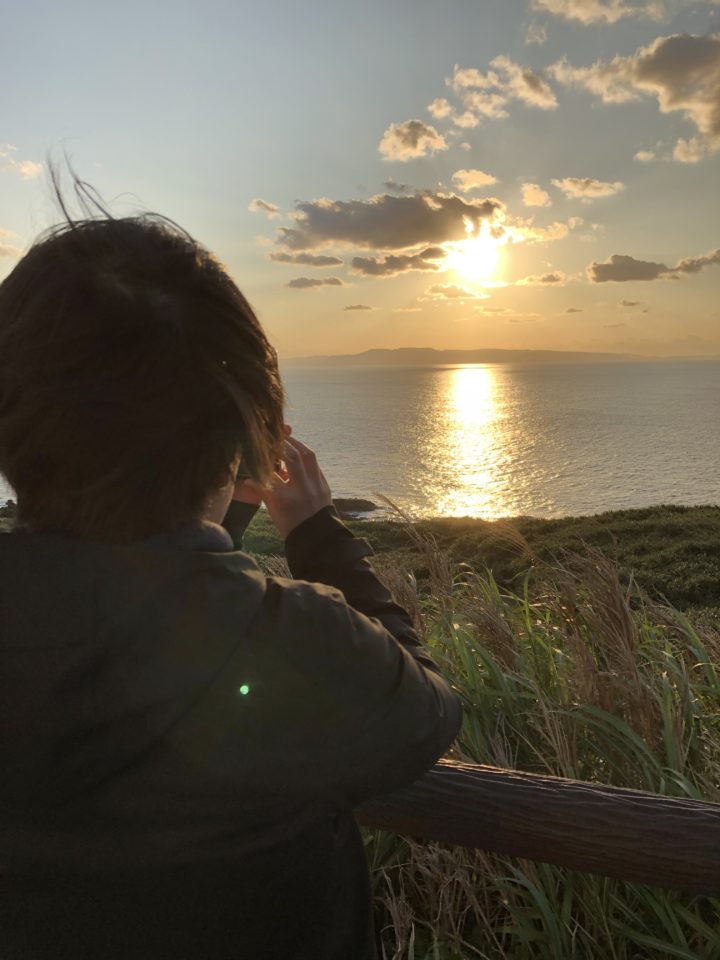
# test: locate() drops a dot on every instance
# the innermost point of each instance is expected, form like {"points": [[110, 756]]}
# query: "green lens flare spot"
{"points": [[244, 689]]}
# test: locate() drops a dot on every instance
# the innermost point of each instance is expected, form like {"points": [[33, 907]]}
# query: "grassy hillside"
{"points": [[671, 552], [578, 677]]}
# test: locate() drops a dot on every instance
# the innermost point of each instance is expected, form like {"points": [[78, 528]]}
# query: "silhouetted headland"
{"points": [[426, 356]]}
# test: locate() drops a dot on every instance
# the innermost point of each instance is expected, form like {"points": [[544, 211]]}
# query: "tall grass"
{"points": [[579, 677]]}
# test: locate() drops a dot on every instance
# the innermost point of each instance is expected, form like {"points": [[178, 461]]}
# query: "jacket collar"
{"points": [[201, 535]]}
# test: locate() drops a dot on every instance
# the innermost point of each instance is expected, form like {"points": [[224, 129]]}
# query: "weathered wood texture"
{"points": [[627, 834]]}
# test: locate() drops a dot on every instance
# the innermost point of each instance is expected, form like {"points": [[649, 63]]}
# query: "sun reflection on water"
{"points": [[508, 440], [471, 439]]}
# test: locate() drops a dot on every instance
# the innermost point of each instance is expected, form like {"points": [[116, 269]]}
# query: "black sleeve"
{"points": [[237, 519], [399, 713], [323, 550], [353, 710]]}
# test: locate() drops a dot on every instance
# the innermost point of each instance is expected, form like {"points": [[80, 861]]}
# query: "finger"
{"points": [[293, 462], [301, 448], [275, 487]]}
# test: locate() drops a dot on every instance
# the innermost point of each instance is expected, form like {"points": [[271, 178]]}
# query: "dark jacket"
{"points": [[182, 740]]}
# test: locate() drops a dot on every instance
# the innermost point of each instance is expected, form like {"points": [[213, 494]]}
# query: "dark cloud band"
{"points": [[307, 283], [392, 265], [620, 268], [385, 222]]}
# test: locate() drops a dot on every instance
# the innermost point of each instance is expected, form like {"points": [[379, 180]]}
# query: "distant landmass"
{"points": [[426, 356]]}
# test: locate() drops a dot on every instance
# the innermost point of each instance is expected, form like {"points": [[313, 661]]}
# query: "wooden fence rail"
{"points": [[627, 834]]}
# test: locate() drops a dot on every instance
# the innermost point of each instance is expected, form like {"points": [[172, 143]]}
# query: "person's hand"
{"points": [[246, 490], [299, 491]]}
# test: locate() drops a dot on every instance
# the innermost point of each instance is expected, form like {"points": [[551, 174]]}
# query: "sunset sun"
{"points": [[475, 259]]}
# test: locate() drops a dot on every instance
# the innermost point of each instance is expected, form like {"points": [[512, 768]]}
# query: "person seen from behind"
{"points": [[182, 738]]}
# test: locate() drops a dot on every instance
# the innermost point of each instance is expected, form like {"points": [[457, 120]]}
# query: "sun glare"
{"points": [[475, 259], [473, 444]]}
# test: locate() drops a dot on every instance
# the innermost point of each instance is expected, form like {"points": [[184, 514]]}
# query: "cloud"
{"points": [[28, 169], [466, 120], [506, 314], [395, 234], [358, 306], [574, 310], [263, 206], [630, 303], [466, 180], [392, 265], [407, 310], [439, 108], [689, 151], [620, 268], [306, 283], [487, 94], [587, 188], [542, 280], [524, 84], [386, 222], [394, 187], [451, 291], [696, 264], [645, 156], [489, 106], [536, 34], [307, 259], [600, 11], [612, 326], [409, 140], [555, 231], [681, 71], [610, 81], [534, 196]]}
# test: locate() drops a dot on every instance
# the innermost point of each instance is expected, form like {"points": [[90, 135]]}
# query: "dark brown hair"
{"points": [[132, 372]]}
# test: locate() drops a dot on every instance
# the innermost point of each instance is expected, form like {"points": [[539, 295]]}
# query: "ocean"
{"points": [[501, 440]]}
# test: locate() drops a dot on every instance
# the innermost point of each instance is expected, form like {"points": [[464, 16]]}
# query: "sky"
{"points": [[531, 174]]}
